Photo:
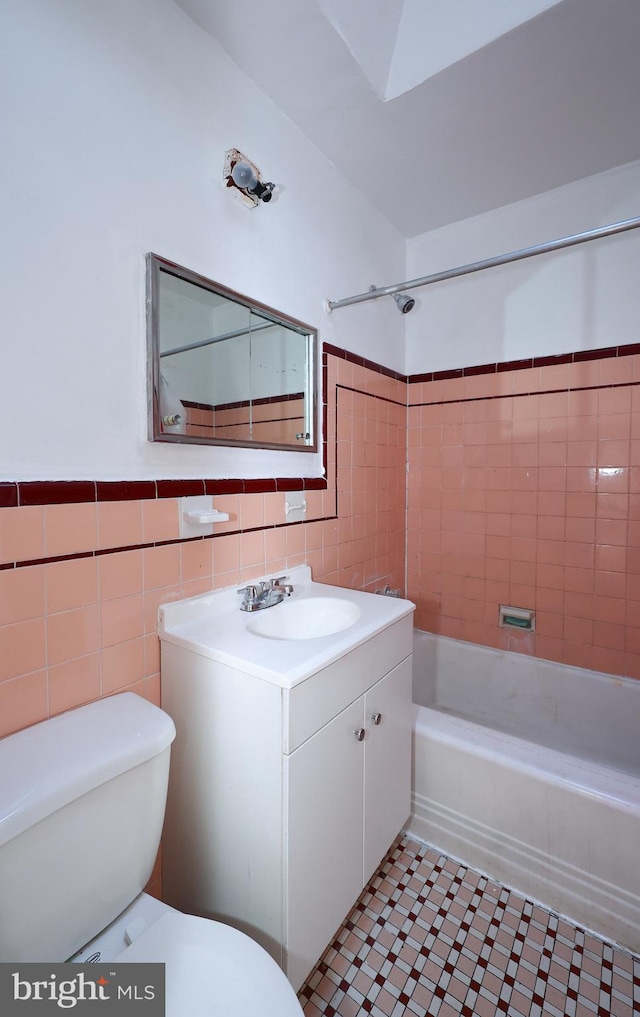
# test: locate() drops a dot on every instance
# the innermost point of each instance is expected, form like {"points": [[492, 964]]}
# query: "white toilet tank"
{"points": [[82, 799]]}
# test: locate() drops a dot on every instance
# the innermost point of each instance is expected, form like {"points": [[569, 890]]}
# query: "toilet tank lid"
{"points": [[44, 767]]}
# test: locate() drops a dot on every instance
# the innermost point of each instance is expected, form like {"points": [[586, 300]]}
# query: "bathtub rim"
{"points": [[535, 760]]}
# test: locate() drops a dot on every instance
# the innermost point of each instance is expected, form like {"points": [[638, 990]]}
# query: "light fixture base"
{"points": [[233, 156]]}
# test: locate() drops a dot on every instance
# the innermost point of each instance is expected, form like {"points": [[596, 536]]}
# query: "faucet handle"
{"points": [[280, 585], [251, 591], [278, 581]]}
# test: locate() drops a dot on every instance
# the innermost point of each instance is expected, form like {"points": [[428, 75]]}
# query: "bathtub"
{"points": [[530, 771]]}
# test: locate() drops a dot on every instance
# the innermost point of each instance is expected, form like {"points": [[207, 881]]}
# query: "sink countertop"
{"points": [[213, 626]]}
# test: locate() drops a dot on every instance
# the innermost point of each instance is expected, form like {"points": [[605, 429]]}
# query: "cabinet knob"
{"points": [[376, 718], [360, 734]]}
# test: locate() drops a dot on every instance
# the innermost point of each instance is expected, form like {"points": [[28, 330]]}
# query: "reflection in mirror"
{"points": [[223, 369]]}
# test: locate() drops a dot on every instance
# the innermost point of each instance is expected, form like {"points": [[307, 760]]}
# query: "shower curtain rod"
{"points": [[478, 266], [218, 339]]}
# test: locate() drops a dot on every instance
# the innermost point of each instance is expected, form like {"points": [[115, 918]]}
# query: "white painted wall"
{"points": [[581, 298], [435, 35], [115, 122]]}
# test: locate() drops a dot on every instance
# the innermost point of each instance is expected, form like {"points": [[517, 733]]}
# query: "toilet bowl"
{"points": [[211, 968], [81, 808]]}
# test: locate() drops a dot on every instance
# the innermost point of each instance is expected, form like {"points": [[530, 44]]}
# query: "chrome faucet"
{"points": [[259, 596]]}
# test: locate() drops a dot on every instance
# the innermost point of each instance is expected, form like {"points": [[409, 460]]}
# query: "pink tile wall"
{"points": [[524, 490], [80, 584], [370, 449]]}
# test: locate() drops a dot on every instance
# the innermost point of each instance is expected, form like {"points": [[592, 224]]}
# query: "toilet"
{"points": [[82, 800]]}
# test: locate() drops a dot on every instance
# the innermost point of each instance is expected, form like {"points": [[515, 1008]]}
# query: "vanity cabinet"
{"points": [[346, 799], [283, 801]]}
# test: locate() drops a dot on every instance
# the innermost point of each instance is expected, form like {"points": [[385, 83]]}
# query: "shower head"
{"points": [[405, 303]]}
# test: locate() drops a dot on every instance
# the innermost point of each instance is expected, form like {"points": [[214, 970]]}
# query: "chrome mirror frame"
{"points": [[156, 266]]}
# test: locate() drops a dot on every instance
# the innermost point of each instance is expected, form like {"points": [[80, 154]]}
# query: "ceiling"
{"points": [[436, 114]]}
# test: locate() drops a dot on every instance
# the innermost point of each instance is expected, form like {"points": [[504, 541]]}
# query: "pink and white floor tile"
{"points": [[429, 936]]}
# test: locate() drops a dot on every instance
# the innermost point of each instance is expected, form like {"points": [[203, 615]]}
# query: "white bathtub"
{"points": [[530, 771]]}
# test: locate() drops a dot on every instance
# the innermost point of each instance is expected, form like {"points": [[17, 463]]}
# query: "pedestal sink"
{"points": [[310, 618]]}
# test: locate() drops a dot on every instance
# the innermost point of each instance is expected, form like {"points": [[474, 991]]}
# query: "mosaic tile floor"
{"points": [[430, 936]]}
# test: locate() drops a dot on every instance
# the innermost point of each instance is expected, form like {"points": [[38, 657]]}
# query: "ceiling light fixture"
{"points": [[244, 177]]}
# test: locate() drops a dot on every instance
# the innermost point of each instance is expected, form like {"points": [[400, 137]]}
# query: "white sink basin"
{"points": [[305, 619], [284, 644]]}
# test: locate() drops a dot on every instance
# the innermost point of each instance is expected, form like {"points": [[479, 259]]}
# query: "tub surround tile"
{"points": [[431, 936], [564, 464]]}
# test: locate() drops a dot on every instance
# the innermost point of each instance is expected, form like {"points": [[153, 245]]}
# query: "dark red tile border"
{"points": [[125, 490], [288, 484], [265, 401], [354, 358], [579, 357], [518, 365], [258, 486], [449, 375], [8, 495], [586, 355], [179, 488], [472, 372], [234, 486], [56, 492], [566, 358]]}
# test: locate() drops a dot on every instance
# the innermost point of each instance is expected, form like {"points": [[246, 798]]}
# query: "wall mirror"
{"points": [[224, 369]]}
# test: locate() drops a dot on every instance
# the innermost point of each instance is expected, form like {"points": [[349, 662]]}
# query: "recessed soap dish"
{"points": [[517, 618]]}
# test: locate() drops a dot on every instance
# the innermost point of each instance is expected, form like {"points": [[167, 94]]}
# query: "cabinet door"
{"points": [[387, 779], [323, 838]]}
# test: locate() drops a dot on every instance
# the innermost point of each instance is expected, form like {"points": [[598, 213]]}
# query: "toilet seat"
{"points": [[212, 970]]}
